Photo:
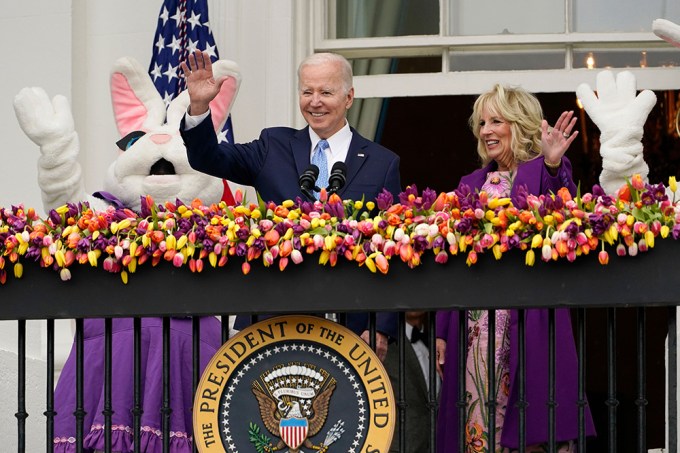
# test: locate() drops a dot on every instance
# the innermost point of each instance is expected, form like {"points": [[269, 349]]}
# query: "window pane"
{"points": [[601, 16], [615, 58], [403, 65], [493, 17], [379, 18], [507, 60]]}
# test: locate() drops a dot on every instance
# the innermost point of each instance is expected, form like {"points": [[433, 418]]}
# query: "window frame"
{"points": [[449, 82]]}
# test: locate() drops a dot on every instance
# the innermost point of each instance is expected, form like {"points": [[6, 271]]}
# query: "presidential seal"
{"points": [[294, 384]]}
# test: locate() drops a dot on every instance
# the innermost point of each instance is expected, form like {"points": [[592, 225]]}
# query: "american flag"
{"points": [[183, 27]]}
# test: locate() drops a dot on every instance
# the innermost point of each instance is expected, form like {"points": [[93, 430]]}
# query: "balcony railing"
{"points": [[642, 282]]}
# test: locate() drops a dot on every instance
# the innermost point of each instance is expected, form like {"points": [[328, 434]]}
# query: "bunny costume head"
{"points": [[152, 159]]}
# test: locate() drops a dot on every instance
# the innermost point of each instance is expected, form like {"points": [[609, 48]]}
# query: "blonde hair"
{"points": [[521, 110], [327, 57]]}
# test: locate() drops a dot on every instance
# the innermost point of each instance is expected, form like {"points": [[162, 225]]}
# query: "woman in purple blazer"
{"points": [[517, 148]]}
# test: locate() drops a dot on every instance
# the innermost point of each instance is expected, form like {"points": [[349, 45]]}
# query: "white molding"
{"points": [[456, 83], [434, 45]]}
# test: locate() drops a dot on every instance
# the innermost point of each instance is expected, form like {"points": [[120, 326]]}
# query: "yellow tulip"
{"points": [[92, 258], [60, 257], [289, 234], [497, 251], [530, 257], [324, 256], [672, 184], [124, 224], [370, 264], [496, 202], [18, 270], [649, 237]]}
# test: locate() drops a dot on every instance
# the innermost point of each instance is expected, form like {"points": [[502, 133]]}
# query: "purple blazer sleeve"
{"points": [[538, 180]]}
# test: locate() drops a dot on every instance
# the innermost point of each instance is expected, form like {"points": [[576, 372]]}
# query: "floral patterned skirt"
{"points": [[477, 388]]}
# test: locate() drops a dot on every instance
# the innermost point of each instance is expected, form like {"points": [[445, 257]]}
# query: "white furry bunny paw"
{"points": [[667, 30], [620, 114]]}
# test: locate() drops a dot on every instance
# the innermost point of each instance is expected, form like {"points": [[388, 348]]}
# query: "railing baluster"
{"points": [[491, 375], [462, 397], [137, 409], [196, 359], [225, 328], [401, 379], [552, 403], [80, 410], [165, 408], [641, 401], [582, 402], [522, 365], [672, 380], [432, 377], [107, 412], [21, 413], [612, 402], [372, 329], [49, 390]]}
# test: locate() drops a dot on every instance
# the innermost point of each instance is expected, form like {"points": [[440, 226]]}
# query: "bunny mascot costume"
{"points": [[152, 162]]}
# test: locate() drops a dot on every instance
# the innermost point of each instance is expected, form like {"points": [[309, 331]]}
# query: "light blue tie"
{"points": [[319, 159]]}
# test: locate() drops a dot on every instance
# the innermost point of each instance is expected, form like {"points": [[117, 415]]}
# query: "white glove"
{"points": [[620, 115], [49, 124]]}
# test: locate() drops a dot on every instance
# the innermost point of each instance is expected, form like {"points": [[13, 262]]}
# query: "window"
{"points": [[431, 47]]}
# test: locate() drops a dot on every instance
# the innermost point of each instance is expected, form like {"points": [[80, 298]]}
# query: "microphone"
{"points": [[307, 180], [337, 178]]}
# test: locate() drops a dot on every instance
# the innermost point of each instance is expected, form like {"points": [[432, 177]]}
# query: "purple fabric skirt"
{"points": [[122, 400]]}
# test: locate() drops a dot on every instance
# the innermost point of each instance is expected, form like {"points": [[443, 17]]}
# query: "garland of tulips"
{"points": [[370, 233]]}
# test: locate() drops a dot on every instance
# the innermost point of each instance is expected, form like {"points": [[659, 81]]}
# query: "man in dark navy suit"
{"points": [[273, 163]]}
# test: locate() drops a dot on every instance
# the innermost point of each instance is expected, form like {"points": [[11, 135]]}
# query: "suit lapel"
{"points": [[357, 155], [301, 147]]}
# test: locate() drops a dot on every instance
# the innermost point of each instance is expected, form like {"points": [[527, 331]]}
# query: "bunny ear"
{"points": [[221, 105], [177, 108], [667, 30], [136, 102]]}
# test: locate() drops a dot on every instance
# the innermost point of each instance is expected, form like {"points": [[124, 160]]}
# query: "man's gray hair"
{"points": [[327, 57]]}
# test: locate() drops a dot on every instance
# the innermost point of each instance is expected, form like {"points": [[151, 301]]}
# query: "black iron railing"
{"points": [[642, 282]]}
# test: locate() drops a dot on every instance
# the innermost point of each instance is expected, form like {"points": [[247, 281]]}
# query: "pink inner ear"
{"points": [[129, 111], [219, 107]]}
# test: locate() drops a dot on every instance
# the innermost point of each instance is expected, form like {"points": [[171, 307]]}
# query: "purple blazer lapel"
{"points": [[529, 175]]}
